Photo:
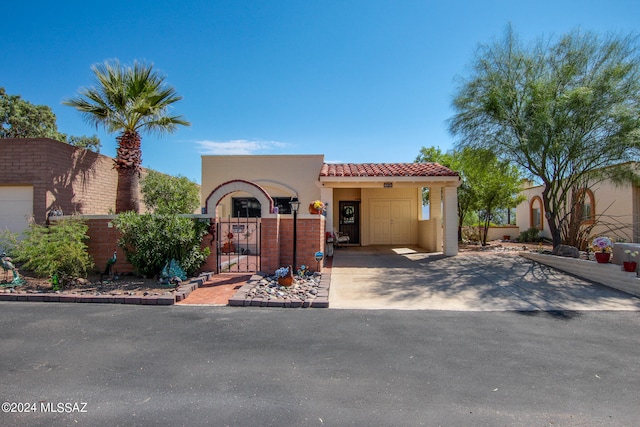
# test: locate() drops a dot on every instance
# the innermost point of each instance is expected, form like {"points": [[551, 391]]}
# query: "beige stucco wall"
{"points": [[615, 204], [428, 234], [279, 175], [614, 208], [523, 213]]}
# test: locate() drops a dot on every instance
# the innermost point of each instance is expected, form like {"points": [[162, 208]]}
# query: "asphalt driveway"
{"points": [[385, 277]]}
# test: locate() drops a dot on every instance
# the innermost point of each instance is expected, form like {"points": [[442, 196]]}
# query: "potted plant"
{"points": [[285, 276], [316, 207], [630, 265], [602, 247]]}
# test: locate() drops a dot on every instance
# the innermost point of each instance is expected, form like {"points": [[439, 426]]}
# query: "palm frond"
{"points": [[128, 98]]}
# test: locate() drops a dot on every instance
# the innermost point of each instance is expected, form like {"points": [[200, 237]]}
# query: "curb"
{"points": [[180, 294]]}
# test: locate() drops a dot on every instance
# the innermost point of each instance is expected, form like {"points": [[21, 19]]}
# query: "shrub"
{"points": [[470, 234], [149, 241], [58, 249], [8, 241], [531, 235]]}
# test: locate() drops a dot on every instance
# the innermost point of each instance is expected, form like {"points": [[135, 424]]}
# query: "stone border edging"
{"points": [[180, 294], [610, 275], [241, 298]]}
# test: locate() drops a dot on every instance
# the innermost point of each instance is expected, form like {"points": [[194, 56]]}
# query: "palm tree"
{"points": [[128, 100]]}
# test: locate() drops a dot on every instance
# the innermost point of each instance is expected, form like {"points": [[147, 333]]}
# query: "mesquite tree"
{"points": [[565, 110]]}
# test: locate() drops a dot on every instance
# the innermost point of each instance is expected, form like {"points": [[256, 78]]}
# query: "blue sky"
{"points": [[357, 81]]}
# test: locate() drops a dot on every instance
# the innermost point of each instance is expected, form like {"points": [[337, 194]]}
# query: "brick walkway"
{"points": [[221, 287], [217, 290]]}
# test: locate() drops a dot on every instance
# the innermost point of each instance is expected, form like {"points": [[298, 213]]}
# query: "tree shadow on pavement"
{"points": [[503, 282]]}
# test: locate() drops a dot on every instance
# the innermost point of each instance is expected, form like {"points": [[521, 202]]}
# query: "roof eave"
{"points": [[419, 181]]}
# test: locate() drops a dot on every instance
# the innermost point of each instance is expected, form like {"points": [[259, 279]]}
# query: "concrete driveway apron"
{"points": [[406, 278]]}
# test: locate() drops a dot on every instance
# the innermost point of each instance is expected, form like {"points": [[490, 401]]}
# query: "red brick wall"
{"points": [[276, 247], [270, 230], [310, 239], [64, 177], [103, 240]]}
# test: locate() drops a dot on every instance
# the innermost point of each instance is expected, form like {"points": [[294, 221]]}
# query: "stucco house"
{"points": [[374, 204], [614, 208]]}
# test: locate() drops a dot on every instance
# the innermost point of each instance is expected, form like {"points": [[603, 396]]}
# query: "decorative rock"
{"points": [[566, 251]]}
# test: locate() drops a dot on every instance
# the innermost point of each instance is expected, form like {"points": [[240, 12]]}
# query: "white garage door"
{"points": [[16, 207], [391, 222]]}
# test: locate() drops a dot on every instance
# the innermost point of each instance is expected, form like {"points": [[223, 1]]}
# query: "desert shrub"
{"points": [[530, 235], [8, 241], [58, 249], [149, 241], [470, 234]]}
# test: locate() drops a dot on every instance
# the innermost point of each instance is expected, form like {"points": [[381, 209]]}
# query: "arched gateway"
{"points": [[238, 240], [266, 202]]}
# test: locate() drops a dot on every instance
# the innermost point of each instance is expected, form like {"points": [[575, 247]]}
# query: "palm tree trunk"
{"points": [[127, 162], [127, 191]]}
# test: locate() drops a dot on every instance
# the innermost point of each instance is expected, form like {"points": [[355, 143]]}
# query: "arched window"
{"points": [[535, 213], [586, 206]]}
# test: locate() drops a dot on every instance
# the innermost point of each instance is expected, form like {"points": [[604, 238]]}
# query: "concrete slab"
{"points": [[407, 278]]}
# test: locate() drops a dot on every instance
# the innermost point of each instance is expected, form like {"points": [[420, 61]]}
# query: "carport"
{"points": [[409, 278]]}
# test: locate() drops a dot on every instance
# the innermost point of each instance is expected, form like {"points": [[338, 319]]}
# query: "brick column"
{"points": [[270, 244], [311, 239]]}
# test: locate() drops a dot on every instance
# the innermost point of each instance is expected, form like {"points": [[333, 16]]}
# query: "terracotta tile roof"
{"points": [[384, 169]]}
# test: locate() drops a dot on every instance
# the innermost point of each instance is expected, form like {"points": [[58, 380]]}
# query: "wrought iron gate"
{"points": [[238, 245]]}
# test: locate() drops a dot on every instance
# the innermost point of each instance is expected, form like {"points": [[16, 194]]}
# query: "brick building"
{"points": [[40, 175]]}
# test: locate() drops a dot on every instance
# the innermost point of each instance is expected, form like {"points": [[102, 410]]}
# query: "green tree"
{"points": [[128, 100], [564, 110], [497, 185], [455, 161], [91, 143], [165, 194], [487, 183], [22, 119]]}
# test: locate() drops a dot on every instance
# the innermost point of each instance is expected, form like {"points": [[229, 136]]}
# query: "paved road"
{"points": [[405, 278], [313, 367]]}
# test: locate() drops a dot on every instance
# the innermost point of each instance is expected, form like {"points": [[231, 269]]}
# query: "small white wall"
{"points": [[428, 232], [497, 233]]}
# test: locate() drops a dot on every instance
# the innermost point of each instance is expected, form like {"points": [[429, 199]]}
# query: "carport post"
{"points": [[450, 238]]}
